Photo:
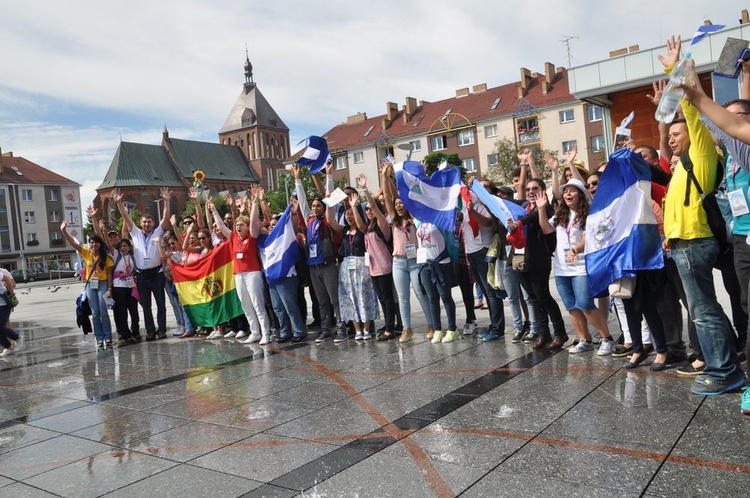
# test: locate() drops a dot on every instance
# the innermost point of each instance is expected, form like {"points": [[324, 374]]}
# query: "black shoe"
{"points": [[282, 339], [324, 336], [150, 337], [633, 364], [299, 338], [314, 325]]}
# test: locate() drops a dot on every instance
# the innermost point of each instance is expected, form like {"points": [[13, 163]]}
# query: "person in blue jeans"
{"points": [[99, 268], [437, 279]]}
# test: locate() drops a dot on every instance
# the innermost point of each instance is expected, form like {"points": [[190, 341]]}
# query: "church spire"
{"points": [[249, 83]]}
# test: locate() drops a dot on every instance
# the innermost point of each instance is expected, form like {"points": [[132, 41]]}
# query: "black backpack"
{"points": [[710, 204]]}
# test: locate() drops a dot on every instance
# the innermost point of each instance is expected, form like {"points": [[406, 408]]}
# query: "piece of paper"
{"points": [[336, 197]]}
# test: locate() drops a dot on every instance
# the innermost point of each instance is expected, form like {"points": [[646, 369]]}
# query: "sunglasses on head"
{"points": [[592, 183]]}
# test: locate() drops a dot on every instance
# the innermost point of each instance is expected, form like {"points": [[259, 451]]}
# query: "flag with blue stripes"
{"points": [[621, 231], [702, 31], [502, 209], [434, 199], [316, 154], [279, 250]]}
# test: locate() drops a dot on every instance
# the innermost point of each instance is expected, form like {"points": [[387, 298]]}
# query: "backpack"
{"points": [[710, 204]]}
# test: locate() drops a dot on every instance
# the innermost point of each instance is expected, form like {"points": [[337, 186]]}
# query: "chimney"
{"points": [[462, 92], [482, 87], [708, 22], [745, 17], [549, 72], [410, 108], [633, 48], [618, 52], [391, 109], [525, 81], [357, 118]]}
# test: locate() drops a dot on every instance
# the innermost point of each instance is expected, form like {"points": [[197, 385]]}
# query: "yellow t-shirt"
{"points": [[92, 265]]}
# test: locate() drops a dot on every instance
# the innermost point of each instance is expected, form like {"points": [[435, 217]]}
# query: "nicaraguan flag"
{"points": [[316, 155], [279, 250], [621, 231], [434, 199], [700, 33], [502, 209]]}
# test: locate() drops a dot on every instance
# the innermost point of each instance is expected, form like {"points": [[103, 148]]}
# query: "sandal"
{"points": [[385, 336]]}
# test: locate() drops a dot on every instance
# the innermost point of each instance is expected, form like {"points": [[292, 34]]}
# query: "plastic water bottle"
{"points": [[670, 99]]}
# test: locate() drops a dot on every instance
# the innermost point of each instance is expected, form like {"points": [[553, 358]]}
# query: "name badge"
{"points": [[351, 263], [146, 262], [367, 259], [130, 281], [738, 202], [411, 251], [313, 251], [94, 283], [421, 255], [240, 255]]}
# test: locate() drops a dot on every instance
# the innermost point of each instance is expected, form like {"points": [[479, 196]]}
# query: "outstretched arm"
{"points": [[126, 221], [382, 220], [554, 165], [166, 196], [254, 217], [71, 240], [223, 228], [541, 204]]}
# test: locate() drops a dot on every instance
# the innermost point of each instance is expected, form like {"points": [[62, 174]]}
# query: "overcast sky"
{"points": [[79, 76]]}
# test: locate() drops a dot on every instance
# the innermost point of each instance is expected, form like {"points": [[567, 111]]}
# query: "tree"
{"points": [[507, 161], [433, 160], [278, 199]]}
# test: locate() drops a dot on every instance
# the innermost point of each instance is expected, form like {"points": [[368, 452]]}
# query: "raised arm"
{"points": [[223, 228], [554, 165], [388, 195], [175, 229], [264, 206], [93, 214], [664, 149], [117, 197], [372, 203], [526, 157], [194, 196], [570, 156], [71, 240], [541, 204], [332, 220], [300, 191], [166, 196], [254, 216]]}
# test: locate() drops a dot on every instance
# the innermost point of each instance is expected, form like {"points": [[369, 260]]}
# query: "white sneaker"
{"points": [[230, 334], [215, 335], [438, 337], [241, 335], [254, 337], [20, 344], [471, 328], [450, 336], [7, 352], [581, 347], [359, 336], [606, 347], [266, 339], [366, 335]]}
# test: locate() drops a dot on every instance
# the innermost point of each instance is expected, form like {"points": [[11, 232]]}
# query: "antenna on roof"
{"points": [[566, 41]]}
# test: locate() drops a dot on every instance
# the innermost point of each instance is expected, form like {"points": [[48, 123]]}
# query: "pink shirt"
{"points": [[402, 235], [381, 262]]}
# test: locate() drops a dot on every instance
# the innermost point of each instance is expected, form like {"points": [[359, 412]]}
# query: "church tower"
{"points": [[254, 127]]}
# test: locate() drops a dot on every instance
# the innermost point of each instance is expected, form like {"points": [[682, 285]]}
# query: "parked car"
{"points": [[30, 276], [24, 275]]}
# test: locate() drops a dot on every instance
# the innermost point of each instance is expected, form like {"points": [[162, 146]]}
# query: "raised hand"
{"points": [[295, 171], [571, 155], [115, 195], [229, 198], [254, 192], [353, 198], [91, 211], [658, 92], [193, 193], [261, 194], [295, 204], [551, 161], [166, 194], [329, 167], [673, 52], [524, 156], [362, 181], [210, 205], [541, 199], [173, 220]]}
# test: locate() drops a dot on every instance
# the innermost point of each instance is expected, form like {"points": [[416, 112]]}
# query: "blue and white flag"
{"points": [[621, 231], [316, 155], [279, 250], [434, 199], [702, 31], [502, 209]]}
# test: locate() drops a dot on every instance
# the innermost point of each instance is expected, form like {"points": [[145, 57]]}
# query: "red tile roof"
{"points": [[475, 107], [32, 173]]}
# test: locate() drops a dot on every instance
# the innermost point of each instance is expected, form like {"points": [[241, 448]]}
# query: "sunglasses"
{"points": [[202, 238], [368, 209], [592, 184], [532, 189]]}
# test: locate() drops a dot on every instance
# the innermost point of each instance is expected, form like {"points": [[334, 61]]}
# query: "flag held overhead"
{"points": [[316, 155], [434, 199]]}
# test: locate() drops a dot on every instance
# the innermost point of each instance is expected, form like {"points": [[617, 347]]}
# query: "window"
{"points": [[339, 163], [490, 131], [597, 143], [56, 235], [28, 217], [54, 216], [528, 129], [6, 248], [438, 143], [465, 137], [359, 157], [595, 113], [567, 116], [567, 146], [492, 159], [30, 237], [495, 103], [27, 195], [416, 145], [470, 164]]}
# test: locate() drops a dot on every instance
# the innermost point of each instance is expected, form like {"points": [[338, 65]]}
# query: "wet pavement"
{"points": [[220, 418]]}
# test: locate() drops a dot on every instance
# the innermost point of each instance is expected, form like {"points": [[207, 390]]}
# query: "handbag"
{"points": [[622, 288], [10, 299]]}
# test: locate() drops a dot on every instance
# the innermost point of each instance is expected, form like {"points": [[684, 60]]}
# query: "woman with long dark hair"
{"points": [[123, 285], [99, 268], [7, 334]]}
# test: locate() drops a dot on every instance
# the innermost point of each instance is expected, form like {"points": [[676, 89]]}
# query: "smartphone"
{"points": [[745, 56]]}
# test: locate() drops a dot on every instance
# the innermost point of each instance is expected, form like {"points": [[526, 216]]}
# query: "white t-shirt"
{"points": [[431, 241], [567, 237], [3, 288], [125, 264], [145, 251], [483, 238]]}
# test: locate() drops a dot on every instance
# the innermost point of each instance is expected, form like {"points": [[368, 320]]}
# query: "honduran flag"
{"points": [[502, 209], [621, 231], [701, 32], [434, 199], [207, 290], [316, 155], [279, 250]]}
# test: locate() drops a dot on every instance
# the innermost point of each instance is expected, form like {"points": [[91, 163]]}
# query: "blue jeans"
{"points": [[479, 266], [695, 261], [437, 293], [174, 300], [405, 271], [99, 314], [513, 288], [147, 286], [284, 299]]}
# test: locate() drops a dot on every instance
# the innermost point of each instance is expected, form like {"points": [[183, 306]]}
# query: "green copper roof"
{"points": [[217, 161], [140, 164]]}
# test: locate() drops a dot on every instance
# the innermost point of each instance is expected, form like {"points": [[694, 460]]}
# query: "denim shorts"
{"points": [[575, 292]]}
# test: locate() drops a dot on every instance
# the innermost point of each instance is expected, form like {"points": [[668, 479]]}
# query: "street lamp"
{"points": [[409, 147], [20, 227], [158, 208]]}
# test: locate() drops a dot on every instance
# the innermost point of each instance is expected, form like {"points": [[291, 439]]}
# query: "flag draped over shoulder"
{"points": [[316, 154], [279, 250], [502, 209], [432, 199], [207, 289], [621, 231]]}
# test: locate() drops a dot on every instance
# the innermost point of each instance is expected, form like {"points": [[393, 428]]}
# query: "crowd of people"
{"points": [[363, 260]]}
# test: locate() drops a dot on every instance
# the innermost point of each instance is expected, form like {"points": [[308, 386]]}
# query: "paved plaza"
{"points": [[220, 418]]}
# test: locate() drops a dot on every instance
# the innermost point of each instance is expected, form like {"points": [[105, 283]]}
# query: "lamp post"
{"points": [[17, 203], [158, 208]]}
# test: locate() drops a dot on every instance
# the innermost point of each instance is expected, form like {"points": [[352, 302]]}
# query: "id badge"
{"points": [[738, 202], [313, 252], [146, 262], [240, 255], [130, 281], [411, 251], [367, 259], [421, 255], [94, 283], [351, 263]]}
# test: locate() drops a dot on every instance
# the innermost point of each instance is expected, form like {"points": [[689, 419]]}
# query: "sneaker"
{"points": [[324, 336], [581, 347], [254, 337], [606, 347], [711, 387], [492, 336], [366, 335], [596, 337], [450, 336], [240, 335], [20, 344], [622, 351], [108, 345], [266, 339], [275, 333], [8, 352], [429, 333], [471, 328], [437, 337], [299, 338], [526, 326], [359, 336], [230, 334], [99, 344], [406, 336], [341, 337], [517, 336], [215, 335], [745, 404], [530, 338]]}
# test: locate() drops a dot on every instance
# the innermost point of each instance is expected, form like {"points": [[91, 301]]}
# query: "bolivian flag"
{"points": [[206, 288]]}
